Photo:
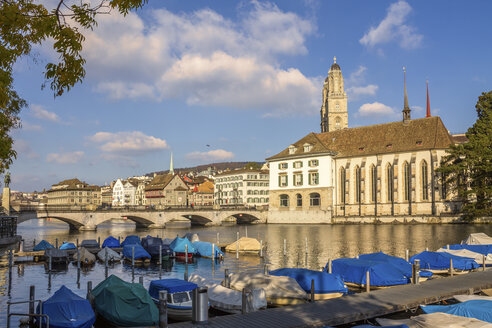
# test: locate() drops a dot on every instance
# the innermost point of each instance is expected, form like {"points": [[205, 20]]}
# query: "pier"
{"points": [[357, 307]]}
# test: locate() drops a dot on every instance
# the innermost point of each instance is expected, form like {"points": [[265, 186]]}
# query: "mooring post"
{"points": [[483, 262], [246, 231], [368, 282], [265, 269], [451, 269], [237, 248], [306, 246], [199, 306], [106, 264], [78, 259], [244, 302], [49, 263], [447, 246], [227, 281], [119, 240], [163, 309], [218, 238], [99, 241], [56, 242], [285, 246], [416, 272], [261, 248], [140, 280], [237, 235], [89, 291], [33, 242], [406, 255], [133, 263], [213, 253], [77, 242], [160, 261], [186, 263], [21, 246], [32, 292], [312, 290], [329, 266]]}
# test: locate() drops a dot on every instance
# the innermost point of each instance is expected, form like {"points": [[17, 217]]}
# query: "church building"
{"points": [[381, 172]]}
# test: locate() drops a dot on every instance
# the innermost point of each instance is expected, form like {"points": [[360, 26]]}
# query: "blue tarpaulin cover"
{"points": [[404, 266], [441, 261], [478, 309], [151, 245], [131, 240], [68, 310], [380, 274], [111, 242], [68, 246], [42, 246], [482, 249], [178, 245], [171, 285], [89, 243], [324, 282], [204, 249], [140, 252]]}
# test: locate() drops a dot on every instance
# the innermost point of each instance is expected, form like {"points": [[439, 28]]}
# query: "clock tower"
{"points": [[334, 115]]}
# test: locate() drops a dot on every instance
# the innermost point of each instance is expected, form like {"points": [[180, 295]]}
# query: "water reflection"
{"points": [[324, 242]]}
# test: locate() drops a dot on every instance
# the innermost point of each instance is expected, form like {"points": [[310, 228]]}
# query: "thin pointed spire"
{"points": [[171, 165], [428, 102], [406, 108]]}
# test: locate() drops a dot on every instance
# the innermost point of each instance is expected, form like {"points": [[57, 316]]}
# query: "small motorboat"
{"points": [[111, 242], [91, 245], [477, 309], [140, 255], [440, 262], [178, 246], [42, 246], [86, 257], [69, 247], [207, 250], [112, 255], [58, 256], [191, 236], [479, 238], [467, 253], [326, 285], [154, 245], [433, 320], [179, 302], [246, 245], [131, 240], [124, 304], [65, 309]]}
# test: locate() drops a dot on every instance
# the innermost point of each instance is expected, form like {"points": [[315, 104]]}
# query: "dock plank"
{"points": [[356, 307]]}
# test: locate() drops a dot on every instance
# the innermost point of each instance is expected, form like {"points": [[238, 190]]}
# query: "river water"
{"points": [[323, 242]]}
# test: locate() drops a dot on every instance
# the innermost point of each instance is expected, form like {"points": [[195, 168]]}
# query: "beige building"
{"points": [[242, 187], [106, 195], [166, 190], [74, 192], [202, 194]]}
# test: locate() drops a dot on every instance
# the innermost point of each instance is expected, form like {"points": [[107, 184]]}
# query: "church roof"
{"points": [[394, 137], [159, 182], [335, 67]]}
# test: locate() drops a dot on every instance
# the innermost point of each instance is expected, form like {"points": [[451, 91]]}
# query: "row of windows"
{"points": [[297, 178], [307, 148], [314, 200], [240, 177], [257, 200], [298, 164]]}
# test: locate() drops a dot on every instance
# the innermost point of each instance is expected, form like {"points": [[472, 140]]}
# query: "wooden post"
{"points": [[368, 282], [56, 242], [162, 309], [483, 262], [237, 235], [77, 242], [261, 248], [21, 246], [329, 266], [451, 269], [246, 231], [227, 281], [32, 292], [306, 246], [406, 255], [160, 261], [237, 248], [119, 240], [49, 263], [427, 249], [186, 263], [78, 258], [218, 238], [213, 253], [106, 264], [265, 269], [99, 241], [285, 247], [133, 263], [244, 302], [140, 280], [447, 246], [89, 291], [312, 290], [33, 242]]}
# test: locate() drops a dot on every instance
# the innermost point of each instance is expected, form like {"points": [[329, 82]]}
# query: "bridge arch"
{"points": [[242, 218], [196, 219], [140, 222], [73, 224]]}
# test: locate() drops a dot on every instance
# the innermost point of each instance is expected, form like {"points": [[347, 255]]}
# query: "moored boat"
{"points": [[140, 255], [111, 242], [440, 262], [182, 245], [208, 250], [112, 255], [131, 240], [479, 258], [42, 246], [244, 245], [58, 256], [86, 257], [479, 238], [91, 245], [154, 245]]}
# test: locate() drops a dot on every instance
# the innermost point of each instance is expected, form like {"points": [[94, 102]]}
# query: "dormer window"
{"points": [[389, 146], [361, 148], [419, 143], [292, 149], [307, 147]]}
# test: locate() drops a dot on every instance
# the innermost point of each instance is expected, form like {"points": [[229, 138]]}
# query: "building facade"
{"points": [[242, 187], [124, 192], [202, 194], [166, 190], [334, 111], [74, 192]]}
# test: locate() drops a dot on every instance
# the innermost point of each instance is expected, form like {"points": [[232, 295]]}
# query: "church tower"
{"points": [[334, 115]]}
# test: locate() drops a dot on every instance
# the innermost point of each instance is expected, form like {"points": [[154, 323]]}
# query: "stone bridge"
{"points": [[89, 220]]}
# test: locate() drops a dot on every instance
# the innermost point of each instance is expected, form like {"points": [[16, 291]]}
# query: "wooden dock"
{"points": [[357, 307]]}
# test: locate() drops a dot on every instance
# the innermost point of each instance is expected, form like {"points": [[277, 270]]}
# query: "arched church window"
{"points": [[373, 183], [357, 184], [342, 185], [425, 181], [338, 123], [389, 182], [406, 181]]}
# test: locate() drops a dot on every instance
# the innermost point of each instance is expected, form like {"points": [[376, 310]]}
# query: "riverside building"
{"points": [[73, 192], [242, 187]]}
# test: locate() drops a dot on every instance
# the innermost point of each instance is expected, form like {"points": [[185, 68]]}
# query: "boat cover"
{"points": [[178, 246], [90, 243], [192, 236], [111, 242], [370, 326], [167, 241], [380, 273], [464, 298], [204, 249], [125, 304], [482, 249], [85, 256], [441, 261], [68, 246], [171, 286], [467, 253], [274, 286], [230, 300], [324, 282], [42, 246], [434, 320], [140, 252], [478, 309], [245, 245], [131, 240], [53, 252], [68, 310], [112, 255], [477, 239], [151, 245], [398, 262]]}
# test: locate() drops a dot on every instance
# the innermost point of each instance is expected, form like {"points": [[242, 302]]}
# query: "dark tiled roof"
{"points": [[73, 184], [460, 138], [159, 182], [418, 134]]}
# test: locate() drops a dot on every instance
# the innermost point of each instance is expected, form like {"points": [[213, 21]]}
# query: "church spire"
{"points": [[428, 103], [406, 108], [171, 165]]}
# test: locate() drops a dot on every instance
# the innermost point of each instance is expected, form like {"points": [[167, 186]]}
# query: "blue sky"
{"points": [[244, 78]]}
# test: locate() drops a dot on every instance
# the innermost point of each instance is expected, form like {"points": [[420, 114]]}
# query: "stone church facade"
{"points": [[379, 171]]}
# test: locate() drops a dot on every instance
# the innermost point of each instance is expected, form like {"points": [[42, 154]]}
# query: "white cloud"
{"points": [[368, 90], [212, 155], [41, 113], [127, 143], [417, 108], [65, 158], [31, 127], [23, 148], [355, 88], [393, 27], [375, 108], [204, 58]]}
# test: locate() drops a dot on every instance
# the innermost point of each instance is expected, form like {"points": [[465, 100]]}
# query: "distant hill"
{"points": [[199, 168]]}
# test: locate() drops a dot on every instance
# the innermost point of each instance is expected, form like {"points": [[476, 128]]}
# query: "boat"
{"points": [[326, 285], [404, 266], [464, 298], [86, 257], [229, 300], [112, 256], [140, 256], [439, 262], [478, 309], [91, 245], [207, 250], [69, 247], [124, 304], [279, 290], [482, 249], [131, 240], [58, 256], [65, 309], [167, 241], [477, 239], [153, 246], [42, 246], [178, 246], [191, 236], [179, 301], [111, 242], [433, 320], [246, 245], [467, 253]]}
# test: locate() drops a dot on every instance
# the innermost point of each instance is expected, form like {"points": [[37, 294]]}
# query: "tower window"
{"points": [[338, 123]]}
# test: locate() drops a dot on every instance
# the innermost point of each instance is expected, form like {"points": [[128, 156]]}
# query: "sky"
{"points": [[214, 81]]}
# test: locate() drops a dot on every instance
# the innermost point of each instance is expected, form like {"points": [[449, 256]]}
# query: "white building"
{"points": [[124, 192], [242, 187]]}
